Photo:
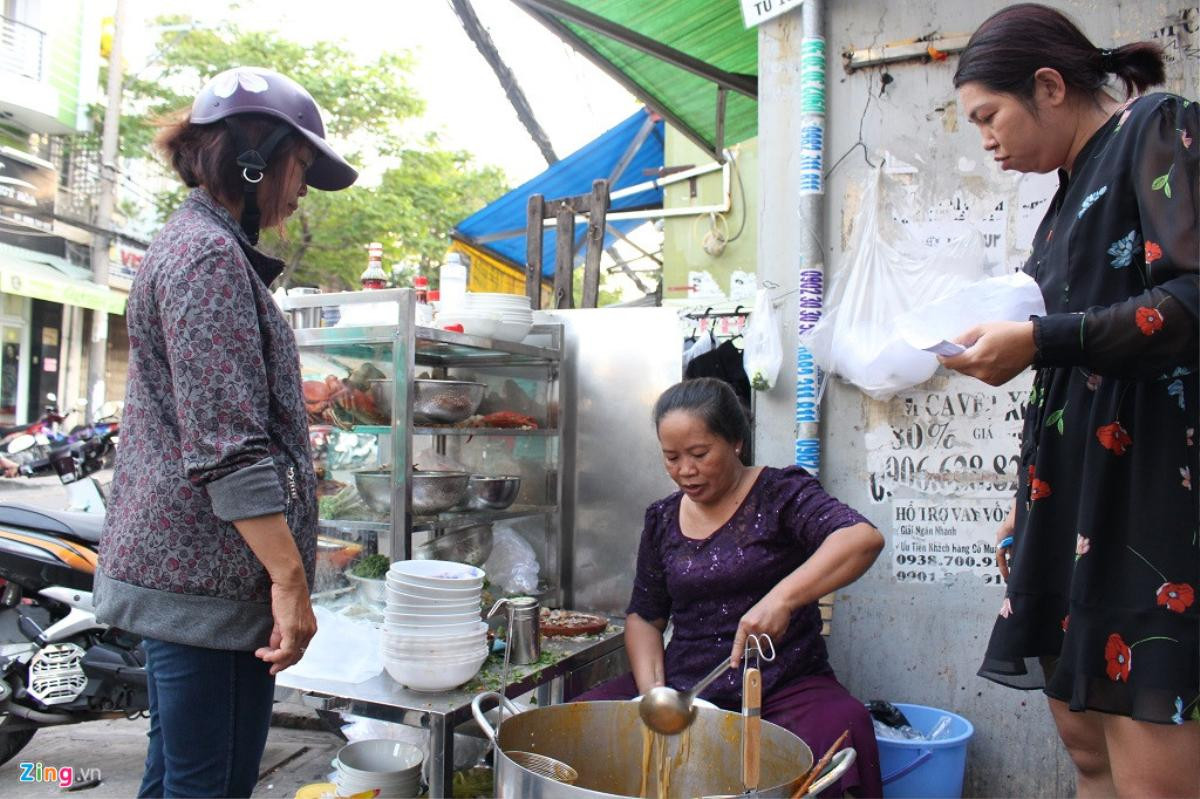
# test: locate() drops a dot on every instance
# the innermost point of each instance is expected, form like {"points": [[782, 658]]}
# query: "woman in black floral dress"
{"points": [[1100, 550]]}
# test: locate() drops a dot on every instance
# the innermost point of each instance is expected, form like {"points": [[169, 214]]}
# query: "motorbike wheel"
{"points": [[13, 742]]}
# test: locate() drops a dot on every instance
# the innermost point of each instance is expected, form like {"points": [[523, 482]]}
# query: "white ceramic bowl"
{"points": [[420, 630], [473, 324], [401, 791], [493, 298], [404, 645], [347, 785], [475, 630], [449, 659], [473, 305], [512, 331], [402, 603], [379, 757], [438, 573], [433, 677], [399, 593], [430, 619], [406, 585], [442, 609], [440, 656]]}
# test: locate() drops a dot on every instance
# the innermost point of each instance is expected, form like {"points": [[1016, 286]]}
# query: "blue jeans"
{"points": [[210, 710]]}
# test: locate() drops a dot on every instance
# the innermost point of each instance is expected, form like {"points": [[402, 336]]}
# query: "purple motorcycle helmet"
{"points": [[254, 90]]}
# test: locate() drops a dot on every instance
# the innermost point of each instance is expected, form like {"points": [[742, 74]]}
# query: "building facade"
{"points": [[49, 77]]}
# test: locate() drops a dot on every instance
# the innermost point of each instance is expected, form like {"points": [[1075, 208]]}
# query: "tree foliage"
{"points": [[369, 108]]}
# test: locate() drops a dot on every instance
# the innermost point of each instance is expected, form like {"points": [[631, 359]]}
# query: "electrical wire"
{"points": [[860, 142]]}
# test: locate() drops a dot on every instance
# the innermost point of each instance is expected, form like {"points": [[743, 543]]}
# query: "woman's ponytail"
{"points": [[1139, 65]]}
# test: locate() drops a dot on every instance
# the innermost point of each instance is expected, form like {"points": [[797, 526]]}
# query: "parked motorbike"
{"points": [[58, 664], [25, 442], [74, 457]]}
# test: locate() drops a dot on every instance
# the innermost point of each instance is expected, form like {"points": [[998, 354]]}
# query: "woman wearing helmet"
{"points": [[209, 543]]}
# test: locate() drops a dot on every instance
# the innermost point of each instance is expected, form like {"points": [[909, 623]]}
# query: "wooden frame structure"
{"points": [[594, 207]]}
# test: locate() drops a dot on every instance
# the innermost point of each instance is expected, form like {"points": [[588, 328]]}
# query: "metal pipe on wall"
{"points": [[811, 279]]}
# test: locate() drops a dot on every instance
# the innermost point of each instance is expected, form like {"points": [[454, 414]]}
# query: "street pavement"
{"points": [[298, 751]]}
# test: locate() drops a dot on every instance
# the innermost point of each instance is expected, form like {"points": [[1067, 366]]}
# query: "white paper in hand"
{"points": [[946, 349], [934, 326]]}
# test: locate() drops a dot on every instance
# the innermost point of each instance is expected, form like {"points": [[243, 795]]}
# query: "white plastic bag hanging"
{"points": [[764, 349], [890, 271], [513, 565]]}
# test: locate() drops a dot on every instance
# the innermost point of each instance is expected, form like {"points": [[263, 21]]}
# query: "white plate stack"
{"points": [[433, 638], [506, 317], [392, 768]]}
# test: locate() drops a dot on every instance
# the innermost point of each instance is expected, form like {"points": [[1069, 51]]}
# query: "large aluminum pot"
{"points": [[604, 742]]}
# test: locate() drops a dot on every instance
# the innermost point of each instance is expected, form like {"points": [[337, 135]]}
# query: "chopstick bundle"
{"points": [[820, 765]]}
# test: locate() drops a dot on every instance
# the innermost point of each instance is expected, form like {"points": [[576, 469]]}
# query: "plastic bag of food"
{"points": [[764, 348], [513, 565], [1013, 297], [891, 270]]}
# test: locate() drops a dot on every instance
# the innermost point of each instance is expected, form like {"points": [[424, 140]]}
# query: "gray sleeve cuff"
{"points": [[1058, 339], [249, 492]]}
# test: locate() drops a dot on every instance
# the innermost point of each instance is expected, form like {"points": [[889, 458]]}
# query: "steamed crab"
{"points": [[356, 399]]}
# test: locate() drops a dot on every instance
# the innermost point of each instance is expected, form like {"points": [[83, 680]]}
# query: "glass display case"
{"points": [[418, 433]]}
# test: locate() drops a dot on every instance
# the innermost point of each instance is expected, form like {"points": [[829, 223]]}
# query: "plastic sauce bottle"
{"points": [[452, 283], [424, 316], [374, 277]]}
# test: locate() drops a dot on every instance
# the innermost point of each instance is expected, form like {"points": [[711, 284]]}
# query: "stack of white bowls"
{"points": [[505, 317], [390, 767], [433, 638]]}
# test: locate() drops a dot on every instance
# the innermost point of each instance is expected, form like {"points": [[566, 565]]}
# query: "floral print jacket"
{"points": [[214, 430]]}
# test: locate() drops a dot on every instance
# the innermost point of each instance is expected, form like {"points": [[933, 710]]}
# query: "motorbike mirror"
{"points": [[52, 397], [21, 443], [81, 402]]}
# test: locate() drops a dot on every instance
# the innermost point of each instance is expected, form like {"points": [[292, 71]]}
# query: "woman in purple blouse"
{"points": [[740, 550]]}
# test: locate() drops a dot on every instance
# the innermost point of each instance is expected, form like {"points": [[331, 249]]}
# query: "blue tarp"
{"points": [[571, 176]]}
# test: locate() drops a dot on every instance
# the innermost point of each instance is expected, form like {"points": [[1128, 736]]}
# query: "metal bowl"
{"points": [[434, 492], [492, 493], [445, 401], [370, 592], [470, 545], [375, 488]]}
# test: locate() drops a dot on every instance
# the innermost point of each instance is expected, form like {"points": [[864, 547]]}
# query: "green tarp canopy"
{"points": [[692, 61]]}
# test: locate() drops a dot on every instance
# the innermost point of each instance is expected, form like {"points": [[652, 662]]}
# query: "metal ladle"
{"points": [[669, 712]]}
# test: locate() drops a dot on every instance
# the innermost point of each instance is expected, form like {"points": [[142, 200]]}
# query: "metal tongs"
{"points": [[752, 707]]}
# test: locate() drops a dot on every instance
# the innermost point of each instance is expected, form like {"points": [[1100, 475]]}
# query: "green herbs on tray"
{"points": [[372, 567], [345, 505]]}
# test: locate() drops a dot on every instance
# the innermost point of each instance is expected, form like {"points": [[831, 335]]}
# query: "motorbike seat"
{"points": [[83, 527]]}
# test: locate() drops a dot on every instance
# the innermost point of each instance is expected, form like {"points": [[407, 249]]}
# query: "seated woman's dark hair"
{"points": [[710, 400], [1015, 42]]}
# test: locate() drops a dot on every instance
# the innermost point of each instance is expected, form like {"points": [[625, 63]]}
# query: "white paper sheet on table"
{"points": [[934, 326]]}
